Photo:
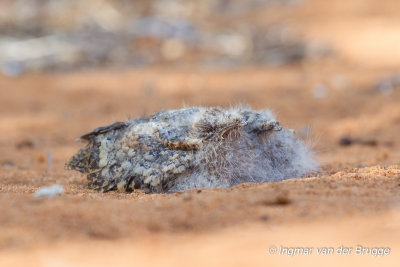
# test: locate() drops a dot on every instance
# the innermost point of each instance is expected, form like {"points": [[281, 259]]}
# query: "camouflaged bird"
{"points": [[191, 147]]}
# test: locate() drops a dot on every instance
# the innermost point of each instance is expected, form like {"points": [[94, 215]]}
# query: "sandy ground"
{"points": [[353, 200]]}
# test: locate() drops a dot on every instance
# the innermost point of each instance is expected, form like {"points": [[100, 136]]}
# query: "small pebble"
{"points": [[49, 191], [345, 141]]}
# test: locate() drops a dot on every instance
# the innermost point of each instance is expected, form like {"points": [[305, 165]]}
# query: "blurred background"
{"points": [[54, 35], [329, 69]]}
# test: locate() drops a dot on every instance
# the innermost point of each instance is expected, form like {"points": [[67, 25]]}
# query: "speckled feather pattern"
{"points": [[191, 147]]}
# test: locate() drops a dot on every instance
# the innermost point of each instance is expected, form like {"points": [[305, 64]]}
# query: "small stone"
{"points": [[279, 200], [345, 141], [282, 200], [49, 191]]}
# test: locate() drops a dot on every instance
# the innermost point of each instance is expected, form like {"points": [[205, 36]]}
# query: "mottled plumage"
{"points": [[190, 147]]}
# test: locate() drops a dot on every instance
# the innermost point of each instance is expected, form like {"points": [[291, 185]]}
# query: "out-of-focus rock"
{"points": [[49, 191], [278, 45], [18, 56]]}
